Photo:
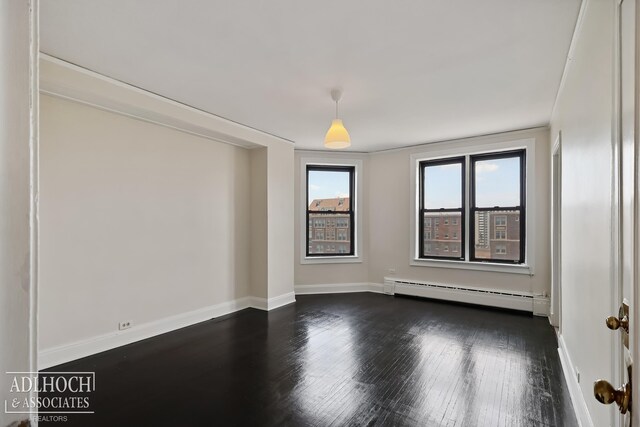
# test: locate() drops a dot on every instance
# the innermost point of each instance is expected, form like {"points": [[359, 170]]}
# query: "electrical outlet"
{"points": [[392, 271], [125, 325]]}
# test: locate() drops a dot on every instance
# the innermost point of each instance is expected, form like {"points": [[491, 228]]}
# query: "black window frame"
{"points": [[352, 203], [422, 210], [473, 209]]}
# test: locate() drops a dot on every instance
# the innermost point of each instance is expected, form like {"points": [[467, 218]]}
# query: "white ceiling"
{"points": [[412, 71]]}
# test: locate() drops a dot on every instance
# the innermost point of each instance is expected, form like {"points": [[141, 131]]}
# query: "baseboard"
{"points": [[337, 288], [66, 353], [577, 398], [272, 303]]}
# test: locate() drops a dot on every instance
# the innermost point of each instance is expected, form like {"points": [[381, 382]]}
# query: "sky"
{"points": [[328, 185], [497, 184]]}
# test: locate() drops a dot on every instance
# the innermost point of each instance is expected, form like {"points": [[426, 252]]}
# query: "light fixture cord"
{"points": [[336, 109]]}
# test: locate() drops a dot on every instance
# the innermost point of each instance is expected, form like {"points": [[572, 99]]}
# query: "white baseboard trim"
{"points": [[272, 303], [577, 398], [337, 288], [76, 350], [281, 300]]}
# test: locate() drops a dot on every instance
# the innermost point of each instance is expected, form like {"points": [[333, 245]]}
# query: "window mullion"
{"points": [[467, 203]]}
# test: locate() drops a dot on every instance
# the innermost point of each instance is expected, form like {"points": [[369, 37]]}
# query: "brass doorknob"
{"points": [[614, 323], [622, 321], [606, 394]]}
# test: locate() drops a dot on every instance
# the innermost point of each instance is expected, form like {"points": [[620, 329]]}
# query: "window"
{"points": [[342, 223], [496, 184], [441, 197], [497, 205], [330, 201]]}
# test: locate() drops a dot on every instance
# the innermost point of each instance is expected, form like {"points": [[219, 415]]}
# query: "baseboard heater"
{"points": [[538, 305]]}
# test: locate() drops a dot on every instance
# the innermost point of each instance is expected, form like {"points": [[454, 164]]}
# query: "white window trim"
{"points": [[350, 259], [464, 148]]}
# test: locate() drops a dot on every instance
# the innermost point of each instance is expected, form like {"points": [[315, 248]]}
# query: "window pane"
{"points": [[329, 234], [443, 186], [497, 235], [497, 182], [326, 188], [442, 234]]}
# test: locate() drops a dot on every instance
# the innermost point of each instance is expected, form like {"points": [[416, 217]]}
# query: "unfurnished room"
{"points": [[339, 213]]}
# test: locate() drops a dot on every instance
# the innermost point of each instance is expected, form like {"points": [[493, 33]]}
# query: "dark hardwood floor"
{"points": [[337, 360]]}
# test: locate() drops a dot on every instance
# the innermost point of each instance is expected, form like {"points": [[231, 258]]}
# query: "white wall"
{"points": [[387, 220], [280, 220], [138, 222], [259, 224], [321, 274], [583, 113], [15, 279], [390, 220]]}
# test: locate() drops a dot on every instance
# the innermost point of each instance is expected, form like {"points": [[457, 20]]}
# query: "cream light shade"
{"points": [[337, 136]]}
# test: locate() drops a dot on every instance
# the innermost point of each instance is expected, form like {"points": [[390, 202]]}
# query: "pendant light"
{"points": [[337, 136]]}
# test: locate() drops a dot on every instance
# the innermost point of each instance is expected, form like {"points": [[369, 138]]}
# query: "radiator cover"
{"points": [[538, 305]]}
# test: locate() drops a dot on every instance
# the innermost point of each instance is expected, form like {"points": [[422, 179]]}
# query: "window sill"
{"points": [[353, 259], [472, 265]]}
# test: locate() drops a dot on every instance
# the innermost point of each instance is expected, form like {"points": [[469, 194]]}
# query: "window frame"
{"points": [[351, 170], [521, 208], [326, 159], [466, 147], [423, 165]]}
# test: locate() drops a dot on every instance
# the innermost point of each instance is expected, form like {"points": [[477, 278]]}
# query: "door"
{"points": [[628, 113], [627, 91], [555, 316], [626, 256]]}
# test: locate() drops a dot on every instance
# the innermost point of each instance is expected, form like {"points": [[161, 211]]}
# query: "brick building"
{"points": [[443, 234], [330, 233], [497, 235], [504, 235]]}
